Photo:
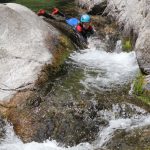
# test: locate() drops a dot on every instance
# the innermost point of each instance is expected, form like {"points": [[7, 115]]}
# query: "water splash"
{"points": [[103, 70], [115, 116], [12, 142], [118, 120]]}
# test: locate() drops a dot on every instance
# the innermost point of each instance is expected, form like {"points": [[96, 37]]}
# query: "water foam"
{"points": [[119, 121], [109, 69], [140, 119], [12, 142]]}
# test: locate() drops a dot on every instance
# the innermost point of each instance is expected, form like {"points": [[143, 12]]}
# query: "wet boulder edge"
{"points": [[32, 52]]}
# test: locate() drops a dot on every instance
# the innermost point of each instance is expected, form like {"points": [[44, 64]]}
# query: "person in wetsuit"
{"points": [[84, 27]]}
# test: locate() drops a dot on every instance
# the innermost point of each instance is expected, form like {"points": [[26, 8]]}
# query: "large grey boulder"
{"points": [[25, 45], [142, 47]]}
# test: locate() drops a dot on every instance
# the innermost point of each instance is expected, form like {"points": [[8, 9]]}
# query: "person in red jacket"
{"points": [[84, 27]]}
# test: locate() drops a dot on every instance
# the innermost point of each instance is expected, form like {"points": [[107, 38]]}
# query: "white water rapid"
{"points": [[105, 70]]}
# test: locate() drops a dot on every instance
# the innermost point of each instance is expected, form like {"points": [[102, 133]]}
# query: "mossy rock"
{"points": [[60, 53]]}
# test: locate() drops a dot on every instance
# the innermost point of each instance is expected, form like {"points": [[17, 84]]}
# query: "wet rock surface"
{"points": [[2, 128], [136, 139], [49, 111], [68, 118]]}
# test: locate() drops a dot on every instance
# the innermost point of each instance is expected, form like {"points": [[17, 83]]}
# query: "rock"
{"points": [[45, 112], [146, 86], [98, 8], [134, 139], [69, 125], [134, 16], [2, 128], [35, 57], [142, 47], [62, 116], [93, 7], [23, 49]]}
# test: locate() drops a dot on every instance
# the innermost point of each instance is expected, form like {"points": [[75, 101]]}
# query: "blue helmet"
{"points": [[85, 18]]}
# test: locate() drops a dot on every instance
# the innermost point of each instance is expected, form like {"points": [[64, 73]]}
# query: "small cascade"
{"points": [[104, 70]]}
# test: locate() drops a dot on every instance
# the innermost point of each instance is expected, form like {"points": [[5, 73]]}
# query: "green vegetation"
{"points": [[145, 99], [139, 91], [138, 85], [35, 5], [127, 44]]}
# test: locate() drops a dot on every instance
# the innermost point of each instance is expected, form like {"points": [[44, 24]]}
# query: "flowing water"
{"points": [[95, 71], [101, 72]]}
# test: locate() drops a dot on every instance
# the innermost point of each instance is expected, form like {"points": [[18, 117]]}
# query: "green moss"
{"points": [[127, 44], [51, 71], [63, 50]]}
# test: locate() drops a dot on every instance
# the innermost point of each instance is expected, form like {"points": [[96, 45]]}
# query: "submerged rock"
{"points": [[68, 117], [136, 139], [67, 122]]}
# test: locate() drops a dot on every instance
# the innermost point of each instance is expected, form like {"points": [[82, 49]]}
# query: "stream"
{"points": [[93, 71], [105, 80]]}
